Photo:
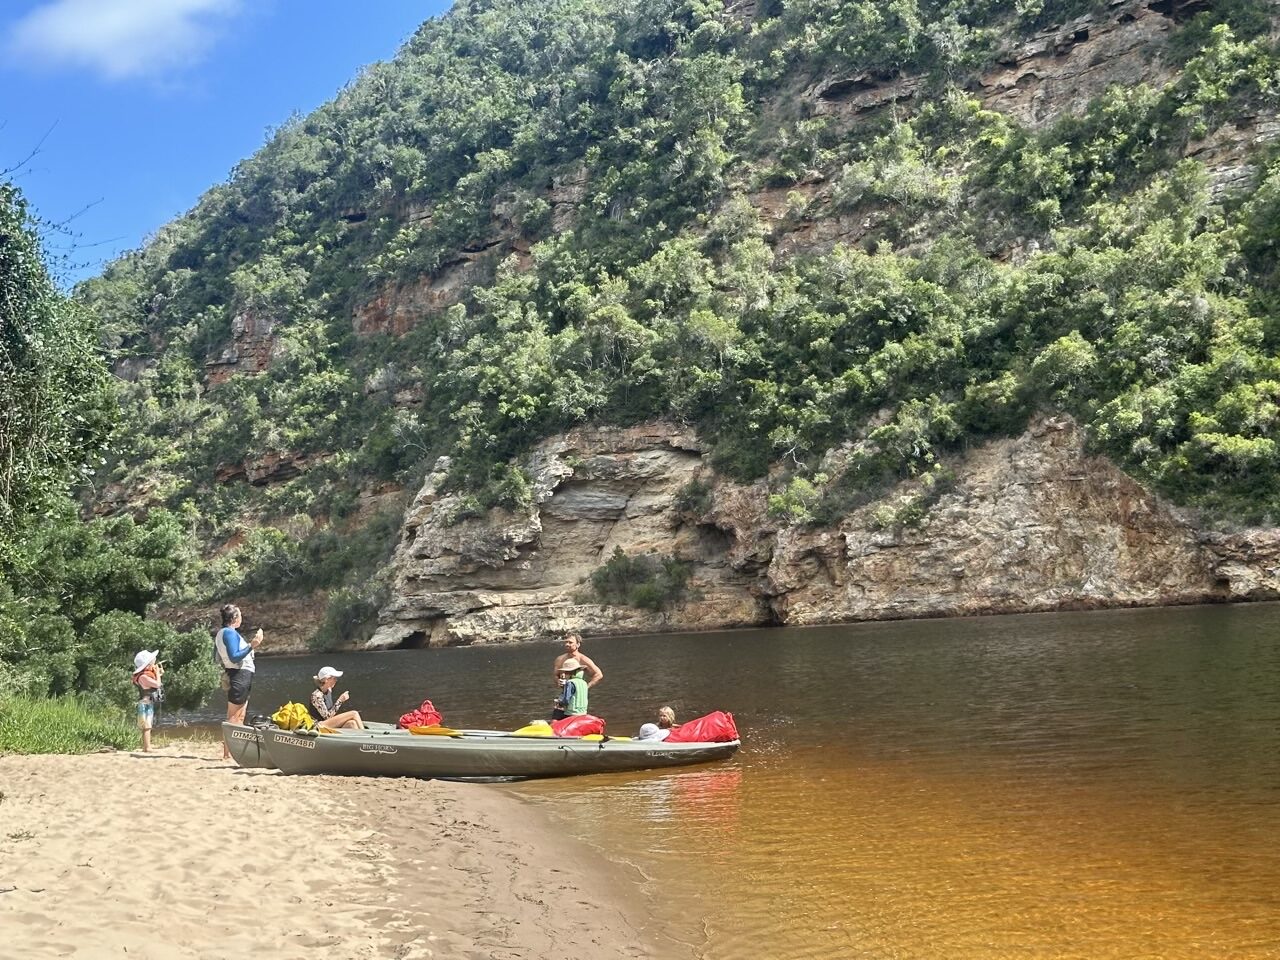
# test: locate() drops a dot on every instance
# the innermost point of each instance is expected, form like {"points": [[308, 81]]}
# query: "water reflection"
{"points": [[1100, 785]]}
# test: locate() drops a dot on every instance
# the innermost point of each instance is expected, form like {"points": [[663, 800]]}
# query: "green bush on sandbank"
{"points": [[63, 725]]}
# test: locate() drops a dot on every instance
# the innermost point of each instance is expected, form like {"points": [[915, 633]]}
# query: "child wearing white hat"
{"points": [[148, 678]]}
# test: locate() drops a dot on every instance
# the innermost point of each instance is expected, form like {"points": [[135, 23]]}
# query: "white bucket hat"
{"points": [[569, 666], [327, 672], [144, 659]]}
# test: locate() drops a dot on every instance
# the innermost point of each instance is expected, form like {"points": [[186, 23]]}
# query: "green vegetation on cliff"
{"points": [[648, 581], [573, 198]]}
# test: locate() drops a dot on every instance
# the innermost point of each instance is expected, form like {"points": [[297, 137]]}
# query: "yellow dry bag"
{"points": [[292, 716]]}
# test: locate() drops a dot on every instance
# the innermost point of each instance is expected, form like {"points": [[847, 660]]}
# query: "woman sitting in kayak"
{"points": [[325, 710], [660, 730]]}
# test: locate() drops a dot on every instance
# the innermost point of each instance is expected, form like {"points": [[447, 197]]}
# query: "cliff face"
{"points": [[1054, 74], [1032, 523], [508, 576]]}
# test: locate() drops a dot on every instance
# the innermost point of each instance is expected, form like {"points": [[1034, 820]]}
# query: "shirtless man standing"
{"points": [[572, 645]]}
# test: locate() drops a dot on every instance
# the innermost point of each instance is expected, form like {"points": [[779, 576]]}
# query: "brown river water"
{"points": [[1092, 785]]}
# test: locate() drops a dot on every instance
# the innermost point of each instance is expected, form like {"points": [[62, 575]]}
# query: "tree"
{"points": [[72, 609], [54, 386]]}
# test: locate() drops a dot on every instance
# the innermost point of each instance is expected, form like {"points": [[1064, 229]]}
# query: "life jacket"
{"points": [[574, 696], [220, 655], [328, 705], [153, 691]]}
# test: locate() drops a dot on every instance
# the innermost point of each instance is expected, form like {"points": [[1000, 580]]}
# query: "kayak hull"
{"points": [[475, 756], [245, 743]]}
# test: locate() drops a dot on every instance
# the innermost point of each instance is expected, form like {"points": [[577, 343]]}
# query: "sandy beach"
{"points": [[179, 854]]}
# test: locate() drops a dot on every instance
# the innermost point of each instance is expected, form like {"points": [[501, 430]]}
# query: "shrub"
{"points": [[350, 617], [109, 643], [648, 581], [797, 502], [272, 561], [465, 508], [1246, 18], [694, 498], [911, 510], [56, 399], [740, 456]]}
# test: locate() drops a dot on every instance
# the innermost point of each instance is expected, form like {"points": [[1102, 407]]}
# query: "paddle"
{"points": [[438, 731], [435, 731]]}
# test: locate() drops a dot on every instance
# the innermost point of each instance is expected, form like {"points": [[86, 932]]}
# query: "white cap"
{"points": [[327, 672], [144, 659], [648, 731]]}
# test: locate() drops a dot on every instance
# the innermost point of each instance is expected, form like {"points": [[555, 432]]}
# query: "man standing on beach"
{"points": [[572, 648]]}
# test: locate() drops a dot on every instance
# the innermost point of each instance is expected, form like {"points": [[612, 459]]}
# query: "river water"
{"points": [[1092, 785]]}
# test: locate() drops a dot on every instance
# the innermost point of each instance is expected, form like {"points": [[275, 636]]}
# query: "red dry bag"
{"points": [[425, 716], [578, 726], [715, 727]]}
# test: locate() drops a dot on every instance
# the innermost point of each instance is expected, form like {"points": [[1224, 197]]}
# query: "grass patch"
{"points": [[63, 725]]}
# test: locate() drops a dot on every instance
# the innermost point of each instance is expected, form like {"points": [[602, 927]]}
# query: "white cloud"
{"points": [[120, 38]]}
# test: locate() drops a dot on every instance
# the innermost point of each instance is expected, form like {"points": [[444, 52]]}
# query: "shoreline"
{"points": [[270, 651], [178, 854]]}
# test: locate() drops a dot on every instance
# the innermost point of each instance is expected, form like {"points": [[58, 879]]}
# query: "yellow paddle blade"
{"points": [[435, 731], [539, 728]]}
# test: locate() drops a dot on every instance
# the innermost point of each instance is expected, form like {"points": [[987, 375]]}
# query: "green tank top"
{"points": [[578, 702]]}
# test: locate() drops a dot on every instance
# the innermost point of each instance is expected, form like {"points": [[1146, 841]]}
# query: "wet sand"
{"points": [[179, 854]]}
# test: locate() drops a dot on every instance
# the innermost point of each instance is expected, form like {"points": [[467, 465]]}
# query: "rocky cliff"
{"points": [[1032, 523], [402, 279]]}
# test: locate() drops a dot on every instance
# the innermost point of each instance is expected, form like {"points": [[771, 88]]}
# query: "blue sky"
{"points": [[138, 106]]}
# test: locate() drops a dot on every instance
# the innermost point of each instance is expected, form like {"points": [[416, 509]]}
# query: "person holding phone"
{"points": [[148, 680], [325, 710], [235, 655]]}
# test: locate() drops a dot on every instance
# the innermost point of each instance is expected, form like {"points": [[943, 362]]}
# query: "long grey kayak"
{"points": [[480, 754], [245, 742]]}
